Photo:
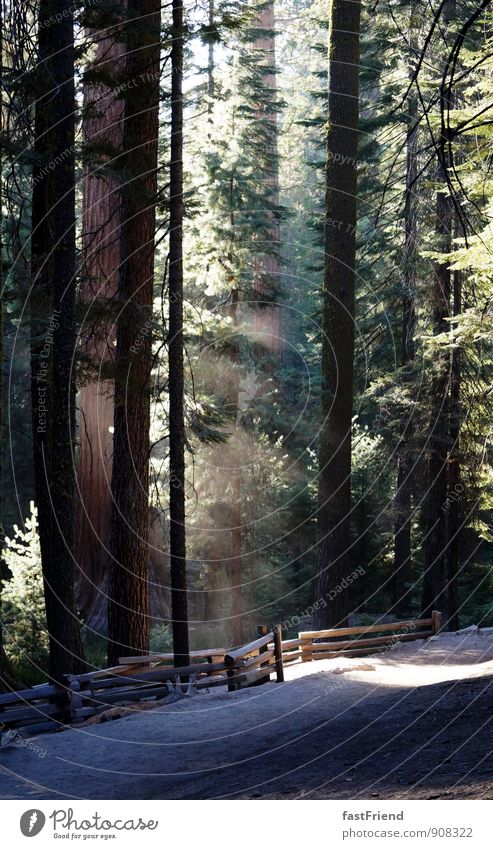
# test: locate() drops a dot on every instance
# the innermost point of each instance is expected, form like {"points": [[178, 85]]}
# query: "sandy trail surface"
{"points": [[414, 721]]}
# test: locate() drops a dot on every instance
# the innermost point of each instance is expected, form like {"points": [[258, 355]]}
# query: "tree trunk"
{"points": [[235, 513], [338, 311], [178, 556], [54, 331], [402, 574], [103, 126], [128, 615], [4, 572], [435, 544], [455, 512], [6, 674], [267, 322], [236, 565], [435, 594], [8, 681]]}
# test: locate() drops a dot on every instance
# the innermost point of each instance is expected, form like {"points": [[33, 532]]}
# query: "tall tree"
{"points": [[338, 310], [102, 125], [403, 517], [435, 592], [455, 517], [176, 384], [268, 319], [4, 573], [7, 679], [128, 614], [235, 484], [267, 325], [53, 328]]}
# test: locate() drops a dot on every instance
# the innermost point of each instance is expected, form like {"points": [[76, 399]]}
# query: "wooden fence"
{"points": [[78, 697], [363, 639], [47, 706]]}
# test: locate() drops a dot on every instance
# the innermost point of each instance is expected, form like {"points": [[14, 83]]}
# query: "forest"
{"points": [[246, 301]]}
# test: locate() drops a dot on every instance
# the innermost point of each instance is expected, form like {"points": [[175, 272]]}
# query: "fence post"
{"points": [[437, 621], [277, 631], [71, 699], [306, 647], [232, 685], [261, 632]]}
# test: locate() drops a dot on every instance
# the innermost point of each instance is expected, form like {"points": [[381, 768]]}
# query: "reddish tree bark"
{"points": [[103, 130], [128, 608]]}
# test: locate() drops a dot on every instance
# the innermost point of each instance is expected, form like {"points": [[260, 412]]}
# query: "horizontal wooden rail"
{"points": [[36, 713], [257, 660], [291, 656], [249, 649], [43, 691], [157, 673], [288, 644], [169, 656], [324, 645], [366, 629], [112, 670], [347, 653], [373, 641]]}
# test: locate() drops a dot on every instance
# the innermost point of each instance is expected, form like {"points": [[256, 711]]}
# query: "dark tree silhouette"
{"points": [[54, 330], [334, 492], [178, 555]]}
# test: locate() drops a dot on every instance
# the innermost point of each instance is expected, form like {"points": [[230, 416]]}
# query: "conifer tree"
{"points": [[128, 610], [338, 315], [53, 329], [176, 382], [403, 520], [435, 595], [7, 679], [102, 126]]}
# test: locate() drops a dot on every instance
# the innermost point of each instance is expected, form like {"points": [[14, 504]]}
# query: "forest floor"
{"points": [[412, 722]]}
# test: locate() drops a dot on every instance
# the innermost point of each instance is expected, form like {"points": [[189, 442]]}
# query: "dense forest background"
{"points": [[246, 279]]}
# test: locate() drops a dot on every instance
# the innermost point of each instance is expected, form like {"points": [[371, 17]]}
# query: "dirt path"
{"points": [[415, 722]]}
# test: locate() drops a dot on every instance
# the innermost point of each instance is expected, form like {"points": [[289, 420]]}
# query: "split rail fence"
{"points": [[46, 707]]}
